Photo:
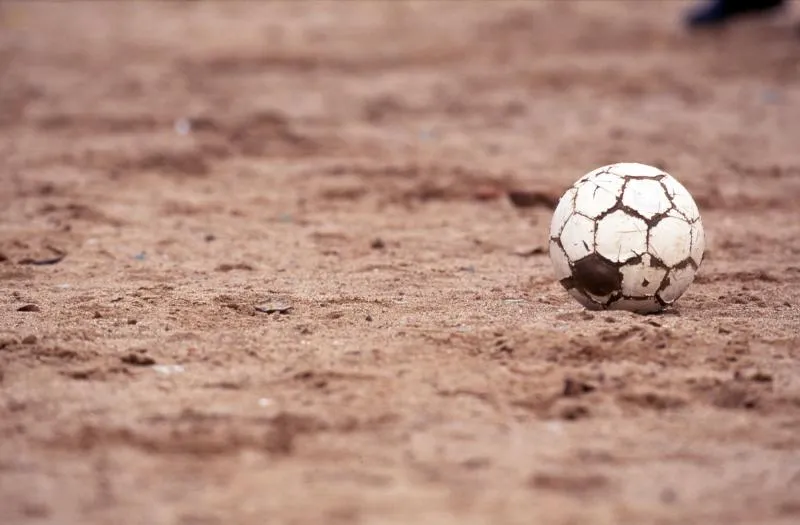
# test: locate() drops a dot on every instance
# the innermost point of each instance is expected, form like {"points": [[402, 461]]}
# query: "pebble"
{"points": [[29, 308], [137, 359], [271, 308], [168, 369], [183, 126]]}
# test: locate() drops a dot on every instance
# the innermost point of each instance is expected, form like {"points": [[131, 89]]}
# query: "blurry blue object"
{"points": [[718, 12], [771, 97], [426, 135], [140, 256]]}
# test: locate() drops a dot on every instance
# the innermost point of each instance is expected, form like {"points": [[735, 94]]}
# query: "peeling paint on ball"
{"points": [[626, 236]]}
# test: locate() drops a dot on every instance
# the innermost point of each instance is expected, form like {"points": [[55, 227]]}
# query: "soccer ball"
{"points": [[626, 237]]}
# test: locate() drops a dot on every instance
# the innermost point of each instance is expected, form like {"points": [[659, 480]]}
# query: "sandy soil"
{"points": [[173, 172]]}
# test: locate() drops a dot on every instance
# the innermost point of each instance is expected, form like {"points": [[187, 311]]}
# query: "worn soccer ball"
{"points": [[626, 236]]}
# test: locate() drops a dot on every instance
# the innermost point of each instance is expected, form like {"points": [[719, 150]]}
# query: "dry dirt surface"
{"points": [[286, 263]]}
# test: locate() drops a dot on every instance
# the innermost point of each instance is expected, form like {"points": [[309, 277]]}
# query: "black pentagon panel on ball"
{"points": [[596, 275]]}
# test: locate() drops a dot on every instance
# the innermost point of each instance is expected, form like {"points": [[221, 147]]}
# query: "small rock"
{"points": [[377, 244], [272, 308], [368, 318], [29, 340], [758, 376], [137, 359], [132, 321], [29, 308], [210, 237]]}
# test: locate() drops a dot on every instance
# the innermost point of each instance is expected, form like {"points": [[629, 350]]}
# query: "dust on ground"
{"points": [[260, 265]]}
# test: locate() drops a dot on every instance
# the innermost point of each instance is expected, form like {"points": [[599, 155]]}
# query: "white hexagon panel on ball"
{"points": [[626, 236]]}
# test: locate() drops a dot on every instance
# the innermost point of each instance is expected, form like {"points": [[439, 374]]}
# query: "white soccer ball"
{"points": [[626, 237]]}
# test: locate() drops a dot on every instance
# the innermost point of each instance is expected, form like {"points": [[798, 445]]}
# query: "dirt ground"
{"points": [[260, 264]]}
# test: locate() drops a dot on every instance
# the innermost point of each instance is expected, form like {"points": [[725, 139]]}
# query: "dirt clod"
{"points": [[29, 308], [137, 359], [272, 308], [575, 388]]}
